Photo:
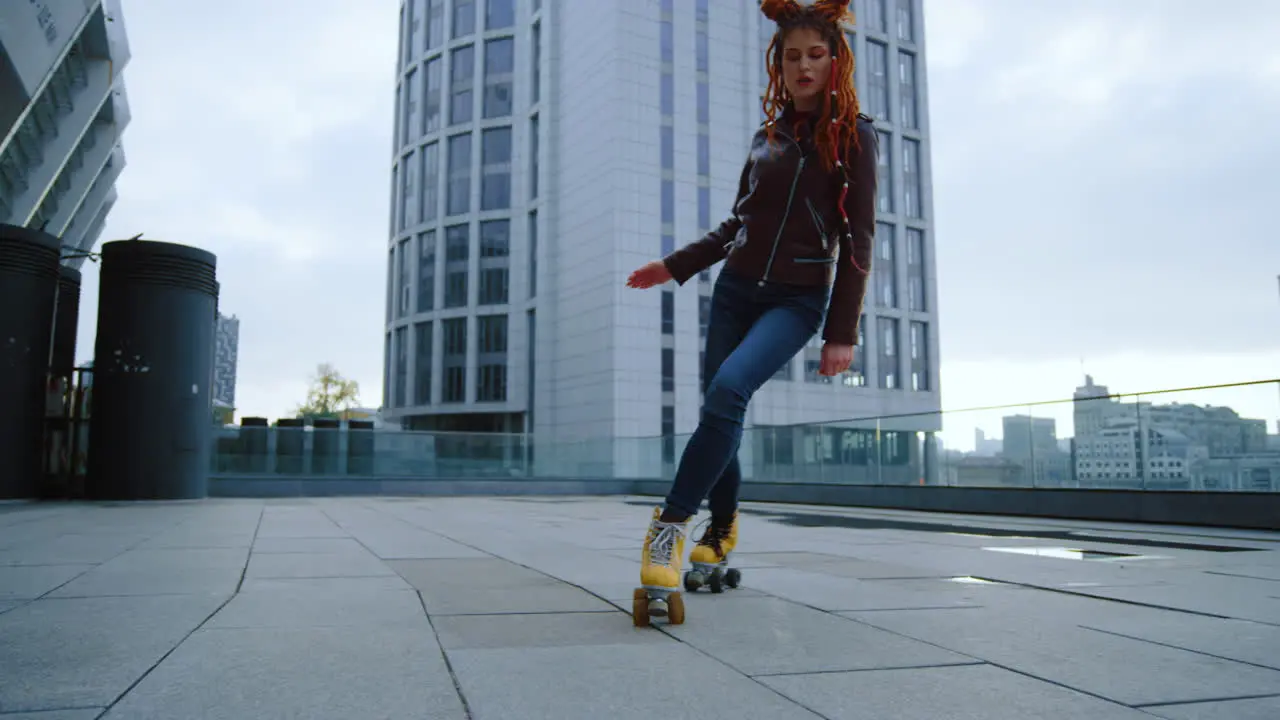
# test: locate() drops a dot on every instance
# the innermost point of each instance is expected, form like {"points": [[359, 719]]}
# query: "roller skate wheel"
{"points": [[658, 607], [640, 608], [694, 580], [716, 581], [733, 577], [675, 609]]}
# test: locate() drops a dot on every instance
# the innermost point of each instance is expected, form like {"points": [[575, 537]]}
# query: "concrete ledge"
{"points": [[1255, 511]]}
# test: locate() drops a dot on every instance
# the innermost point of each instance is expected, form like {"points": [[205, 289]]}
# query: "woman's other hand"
{"points": [[654, 273], [836, 358]]}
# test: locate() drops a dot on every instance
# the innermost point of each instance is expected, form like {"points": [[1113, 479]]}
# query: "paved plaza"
{"points": [[515, 608]]}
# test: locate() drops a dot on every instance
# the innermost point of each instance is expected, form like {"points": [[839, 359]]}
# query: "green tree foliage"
{"points": [[330, 394]]}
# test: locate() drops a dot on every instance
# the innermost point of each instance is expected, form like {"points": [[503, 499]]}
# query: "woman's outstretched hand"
{"points": [[654, 273], [836, 359]]}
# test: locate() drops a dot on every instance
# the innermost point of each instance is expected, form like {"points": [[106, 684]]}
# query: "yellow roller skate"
{"points": [[710, 558], [661, 557]]}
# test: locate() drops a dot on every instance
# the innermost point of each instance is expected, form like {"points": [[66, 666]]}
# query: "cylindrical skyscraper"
{"points": [[66, 320], [28, 288], [153, 365]]}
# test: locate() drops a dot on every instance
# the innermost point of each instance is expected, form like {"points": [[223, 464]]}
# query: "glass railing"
{"points": [[1205, 439]]}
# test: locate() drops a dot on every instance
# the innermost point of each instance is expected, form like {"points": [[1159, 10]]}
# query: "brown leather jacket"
{"points": [[786, 225]]}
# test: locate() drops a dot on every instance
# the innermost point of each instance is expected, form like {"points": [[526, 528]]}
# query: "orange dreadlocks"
{"points": [[836, 130]]}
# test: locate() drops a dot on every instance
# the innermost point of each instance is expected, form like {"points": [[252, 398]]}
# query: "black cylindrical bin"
{"points": [[290, 441], [66, 319], [324, 446], [359, 447], [152, 365], [28, 291], [253, 444]]}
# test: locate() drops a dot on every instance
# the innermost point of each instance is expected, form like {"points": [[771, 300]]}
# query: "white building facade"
{"points": [[546, 148], [63, 111]]}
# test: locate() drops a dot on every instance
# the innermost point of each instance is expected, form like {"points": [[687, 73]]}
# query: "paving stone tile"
{"points": [[302, 606], [968, 692], [465, 632], [339, 564], [770, 636], [76, 714], [1251, 709], [625, 682], [86, 652], [26, 583], [490, 585], [313, 673]]}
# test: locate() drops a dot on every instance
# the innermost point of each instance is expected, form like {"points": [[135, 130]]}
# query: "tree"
{"points": [[329, 395]]}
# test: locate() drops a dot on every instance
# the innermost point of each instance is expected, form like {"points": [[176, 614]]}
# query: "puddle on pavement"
{"points": [[968, 580], [1063, 553]]}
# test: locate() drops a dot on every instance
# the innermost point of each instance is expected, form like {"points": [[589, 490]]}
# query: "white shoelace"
{"points": [[663, 545]]}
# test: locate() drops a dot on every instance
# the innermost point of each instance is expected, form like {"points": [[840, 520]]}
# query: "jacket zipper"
{"points": [[817, 223], [785, 213]]}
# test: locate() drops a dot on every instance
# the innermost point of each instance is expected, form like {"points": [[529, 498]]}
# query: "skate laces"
{"points": [[662, 546], [714, 534]]}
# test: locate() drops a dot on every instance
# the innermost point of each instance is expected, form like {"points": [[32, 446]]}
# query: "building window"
{"points": [[402, 366], [533, 158], [454, 360], [427, 271], [499, 14], [914, 207], [704, 314], [422, 349], [404, 288], [408, 193], [668, 201], [459, 195], [531, 365], [667, 147], [405, 51], [907, 116], [435, 24], [906, 24], [884, 174], [457, 247], [464, 18], [386, 372], [533, 254], [915, 270], [499, 69], [700, 11], [668, 244], [888, 353], [784, 372], [491, 358], [430, 199], [431, 91], [495, 171], [877, 80], [919, 357], [702, 56], [668, 312], [884, 268], [704, 154], [535, 71], [877, 18], [668, 434], [391, 283], [409, 128], [704, 208], [668, 369], [495, 252], [462, 82]]}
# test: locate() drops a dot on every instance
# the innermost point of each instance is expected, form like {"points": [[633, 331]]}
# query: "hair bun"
{"points": [[835, 11], [780, 10]]}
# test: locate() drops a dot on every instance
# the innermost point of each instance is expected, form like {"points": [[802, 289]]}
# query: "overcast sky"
{"points": [[1105, 182]]}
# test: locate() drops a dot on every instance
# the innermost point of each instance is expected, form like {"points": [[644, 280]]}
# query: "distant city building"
{"points": [[1032, 444], [984, 446], [226, 351], [1172, 446], [63, 110]]}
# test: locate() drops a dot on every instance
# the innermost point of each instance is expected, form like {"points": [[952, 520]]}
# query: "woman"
{"points": [[797, 251]]}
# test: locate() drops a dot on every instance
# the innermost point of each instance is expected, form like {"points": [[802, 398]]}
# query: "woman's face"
{"points": [[806, 66]]}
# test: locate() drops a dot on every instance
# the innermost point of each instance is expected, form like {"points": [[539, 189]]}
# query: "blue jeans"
{"points": [[752, 332]]}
